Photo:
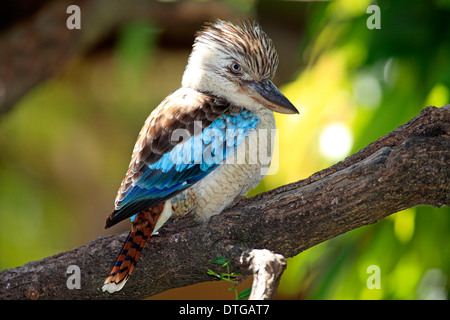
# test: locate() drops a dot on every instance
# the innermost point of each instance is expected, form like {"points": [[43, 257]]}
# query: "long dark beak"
{"points": [[270, 97]]}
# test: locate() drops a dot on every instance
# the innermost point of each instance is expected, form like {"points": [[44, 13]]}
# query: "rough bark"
{"points": [[405, 168]]}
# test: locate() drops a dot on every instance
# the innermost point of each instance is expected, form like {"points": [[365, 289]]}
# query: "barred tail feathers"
{"points": [[144, 225]]}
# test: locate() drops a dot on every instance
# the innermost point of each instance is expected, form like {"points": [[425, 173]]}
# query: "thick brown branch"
{"points": [[405, 168]]}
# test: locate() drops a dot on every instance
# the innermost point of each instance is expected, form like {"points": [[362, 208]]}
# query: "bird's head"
{"points": [[236, 63]]}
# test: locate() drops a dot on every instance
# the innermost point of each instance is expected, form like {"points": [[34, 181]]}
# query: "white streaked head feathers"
{"points": [[246, 43], [217, 46]]}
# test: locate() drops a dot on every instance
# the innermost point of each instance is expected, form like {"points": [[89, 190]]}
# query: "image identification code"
{"points": [[231, 309]]}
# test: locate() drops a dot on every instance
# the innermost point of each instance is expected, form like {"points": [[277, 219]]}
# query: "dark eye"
{"points": [[235, 67]]}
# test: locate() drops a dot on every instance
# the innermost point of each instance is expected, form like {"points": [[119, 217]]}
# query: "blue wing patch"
{"points": [[188, 162]]}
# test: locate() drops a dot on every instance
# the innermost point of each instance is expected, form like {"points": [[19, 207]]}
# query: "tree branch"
{"points": [[403, 169]]}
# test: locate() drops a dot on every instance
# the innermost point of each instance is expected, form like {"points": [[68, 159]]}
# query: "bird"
{"points": [[193, 153]]}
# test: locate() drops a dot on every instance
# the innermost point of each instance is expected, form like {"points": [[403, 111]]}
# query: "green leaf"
{"points": [[212, 273], [220, 260], [244, 294]]}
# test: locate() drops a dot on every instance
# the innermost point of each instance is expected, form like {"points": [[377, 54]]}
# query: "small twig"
{"points": [[267, 268]]}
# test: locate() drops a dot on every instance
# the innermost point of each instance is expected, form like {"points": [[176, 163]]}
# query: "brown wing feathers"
{"points": [[180, 110]]}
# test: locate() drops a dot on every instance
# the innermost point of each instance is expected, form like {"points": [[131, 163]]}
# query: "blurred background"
{"points": [[73, 101]]}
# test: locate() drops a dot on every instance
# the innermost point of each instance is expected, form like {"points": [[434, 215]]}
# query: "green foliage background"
{"points": [[66, 145]]}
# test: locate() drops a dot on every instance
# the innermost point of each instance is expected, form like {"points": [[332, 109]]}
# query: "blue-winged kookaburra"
{"points": [[194, 153]]}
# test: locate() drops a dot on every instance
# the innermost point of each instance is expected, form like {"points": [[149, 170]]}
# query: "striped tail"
{"points": [[143, 227]]}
